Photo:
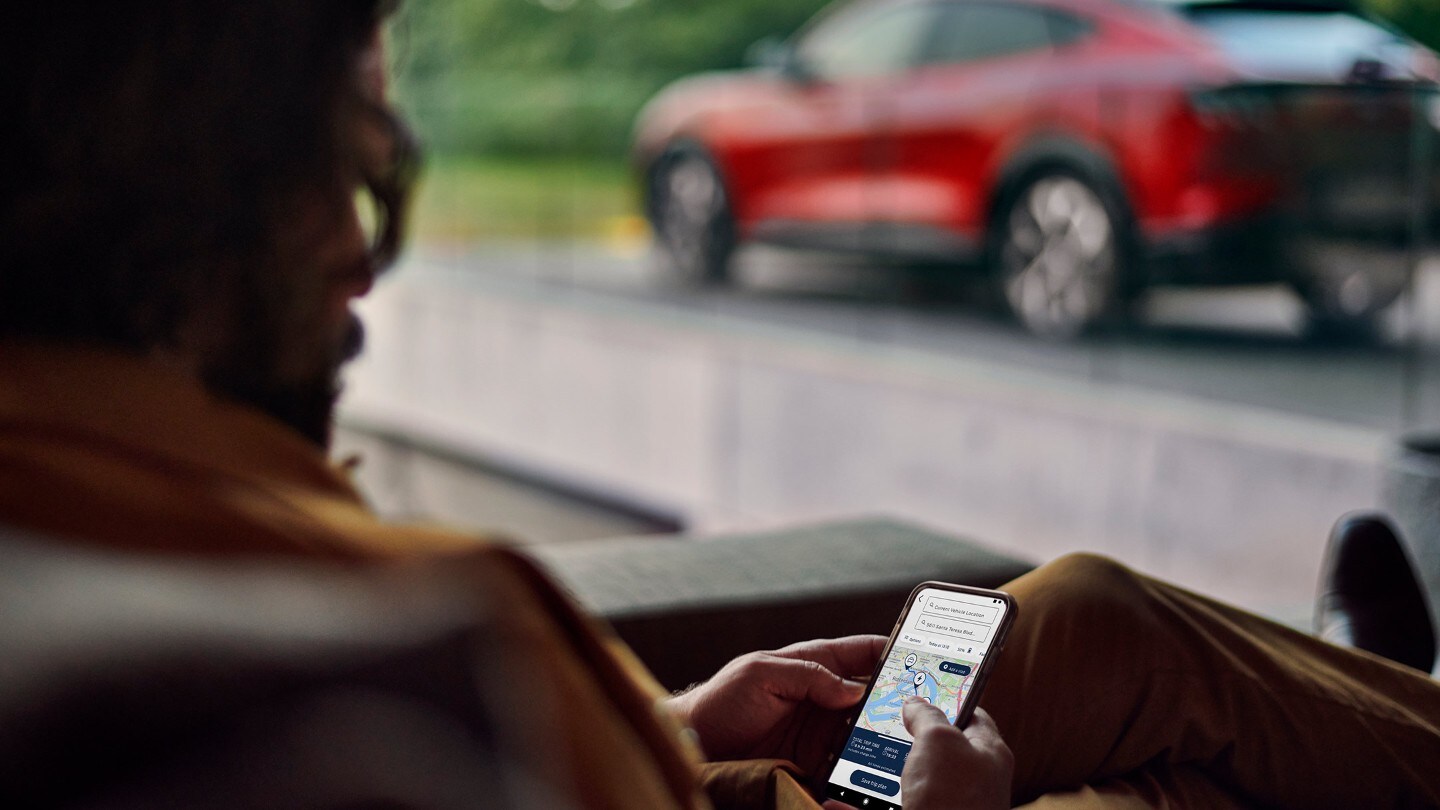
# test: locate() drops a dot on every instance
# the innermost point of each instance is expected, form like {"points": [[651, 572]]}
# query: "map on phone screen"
{"points": [[942, 640], [939, 679]]}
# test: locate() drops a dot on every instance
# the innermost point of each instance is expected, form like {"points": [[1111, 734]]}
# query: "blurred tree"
{"points": [[566, 77], [563, 77], [1418, 18]]}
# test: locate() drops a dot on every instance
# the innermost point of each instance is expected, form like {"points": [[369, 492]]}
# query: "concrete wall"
{"points": [[736, 426]]}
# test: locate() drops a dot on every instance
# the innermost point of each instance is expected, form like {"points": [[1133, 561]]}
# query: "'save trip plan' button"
{"points": [[879, 784]]}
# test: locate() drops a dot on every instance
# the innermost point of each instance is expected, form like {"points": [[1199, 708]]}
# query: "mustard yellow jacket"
{"points": [[107, 450]]}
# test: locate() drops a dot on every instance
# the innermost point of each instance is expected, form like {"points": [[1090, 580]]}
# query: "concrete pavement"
{"points": [[735, 425]]}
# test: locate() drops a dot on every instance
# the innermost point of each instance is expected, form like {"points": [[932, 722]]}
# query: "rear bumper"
{"points": [[1248, 252], [1270, 249]]}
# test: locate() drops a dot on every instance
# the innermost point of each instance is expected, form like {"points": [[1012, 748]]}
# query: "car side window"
{"points": [[1066, 29], [874, 42], [965, 32]]}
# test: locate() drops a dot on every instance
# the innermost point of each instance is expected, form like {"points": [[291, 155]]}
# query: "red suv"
{"points": [[1077, 150]]}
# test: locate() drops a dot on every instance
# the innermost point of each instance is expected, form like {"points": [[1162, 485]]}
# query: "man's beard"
{"points": [[248, 373]]}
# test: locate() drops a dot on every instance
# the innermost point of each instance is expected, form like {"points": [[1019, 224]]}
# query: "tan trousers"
{"points": [[1118, 690]]}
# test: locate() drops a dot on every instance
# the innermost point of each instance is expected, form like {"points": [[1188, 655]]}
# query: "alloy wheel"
{"points": [[1059, 257], [691, 217]]}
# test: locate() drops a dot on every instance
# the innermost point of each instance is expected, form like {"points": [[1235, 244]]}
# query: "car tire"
{"points": [[689, 210], [1058, 251], [1325, 322], [1348, 305]]}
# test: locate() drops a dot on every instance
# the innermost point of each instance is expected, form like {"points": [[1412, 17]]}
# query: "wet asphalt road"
{"points": [[1242, 345]]}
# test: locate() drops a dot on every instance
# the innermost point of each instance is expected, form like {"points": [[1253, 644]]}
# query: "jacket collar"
{"points": [[145, 405]]}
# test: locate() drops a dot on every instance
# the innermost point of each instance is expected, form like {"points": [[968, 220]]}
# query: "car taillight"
{"points": [[1425, 64], [1431, 106]]}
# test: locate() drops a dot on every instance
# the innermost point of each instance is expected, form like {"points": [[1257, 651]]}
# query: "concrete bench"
{"points": [[688, 605]]}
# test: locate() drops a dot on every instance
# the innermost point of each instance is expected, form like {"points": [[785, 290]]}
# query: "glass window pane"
{"points": [[966, 32], [1291, 44], [1065, 29], [871, 43]]}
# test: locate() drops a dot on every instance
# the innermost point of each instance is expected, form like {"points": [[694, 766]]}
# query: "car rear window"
{"points": [[964, 32], [1302, 44]]}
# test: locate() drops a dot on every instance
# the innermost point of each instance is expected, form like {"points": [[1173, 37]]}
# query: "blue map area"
{"points": [[887, 707], [912, 673]]}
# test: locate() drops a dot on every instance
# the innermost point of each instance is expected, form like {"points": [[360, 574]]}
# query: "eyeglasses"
{"points": [[383, 198], [373, 218]]}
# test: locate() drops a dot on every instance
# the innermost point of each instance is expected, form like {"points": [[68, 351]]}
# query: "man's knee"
{"points": [[1086, 572], [1081, 584], [1073, 612]]}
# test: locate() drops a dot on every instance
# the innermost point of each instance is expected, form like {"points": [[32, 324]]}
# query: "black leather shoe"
{"points": [[1369, 597]]}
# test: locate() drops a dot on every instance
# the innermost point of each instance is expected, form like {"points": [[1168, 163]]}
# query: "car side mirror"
{"points": [[1368, 71], [775, 54]]}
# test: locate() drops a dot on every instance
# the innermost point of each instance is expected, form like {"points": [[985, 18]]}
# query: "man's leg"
{"points": [[1109, 674], [1157, 787]]}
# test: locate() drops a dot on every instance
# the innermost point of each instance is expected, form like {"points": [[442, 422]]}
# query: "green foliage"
{"points": [[565, 78], [562, 77], [464, 199], [1418, 18]]}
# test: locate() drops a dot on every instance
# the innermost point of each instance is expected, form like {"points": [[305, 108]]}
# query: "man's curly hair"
{"points": [[153, 149]]}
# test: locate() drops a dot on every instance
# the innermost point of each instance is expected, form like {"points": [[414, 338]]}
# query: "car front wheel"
{"points": [[1057, 255], [690, 214]]}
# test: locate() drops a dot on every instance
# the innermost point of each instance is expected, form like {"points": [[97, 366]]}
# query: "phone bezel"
{"points": [[982, 674]]}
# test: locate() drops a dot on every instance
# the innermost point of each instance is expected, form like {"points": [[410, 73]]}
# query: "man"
{"points": [[180, 244]]}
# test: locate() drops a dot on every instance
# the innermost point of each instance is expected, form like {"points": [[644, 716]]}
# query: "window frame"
{"points": [[1052, 19]]}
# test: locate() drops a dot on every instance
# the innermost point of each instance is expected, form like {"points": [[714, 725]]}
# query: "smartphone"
{"points": [[941, 650]]}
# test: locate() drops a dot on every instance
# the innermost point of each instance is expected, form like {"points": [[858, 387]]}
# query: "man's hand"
{"points": [[789, 704], [951, 767]]}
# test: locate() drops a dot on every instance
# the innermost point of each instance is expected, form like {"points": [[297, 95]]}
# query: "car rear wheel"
{"points": [[1347, 286], [1057, 254], [690, 214]]}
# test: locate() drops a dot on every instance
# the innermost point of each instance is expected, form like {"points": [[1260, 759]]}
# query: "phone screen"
{"points": [[936, 654]]}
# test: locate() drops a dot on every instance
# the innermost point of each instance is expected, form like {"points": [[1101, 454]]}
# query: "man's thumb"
{"points": [[919, 714], [828, 689]]}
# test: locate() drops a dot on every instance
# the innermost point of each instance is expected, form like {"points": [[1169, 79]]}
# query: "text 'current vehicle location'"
{"points": [[964, 611]]}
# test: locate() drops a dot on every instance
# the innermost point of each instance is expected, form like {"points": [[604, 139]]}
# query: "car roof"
{"points": [[1278, 5]]}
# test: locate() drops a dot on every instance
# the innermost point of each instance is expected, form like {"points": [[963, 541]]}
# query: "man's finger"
{"points": [[919, 715], [851, 656], [982, 723], [800, 679], [982, 729]]}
